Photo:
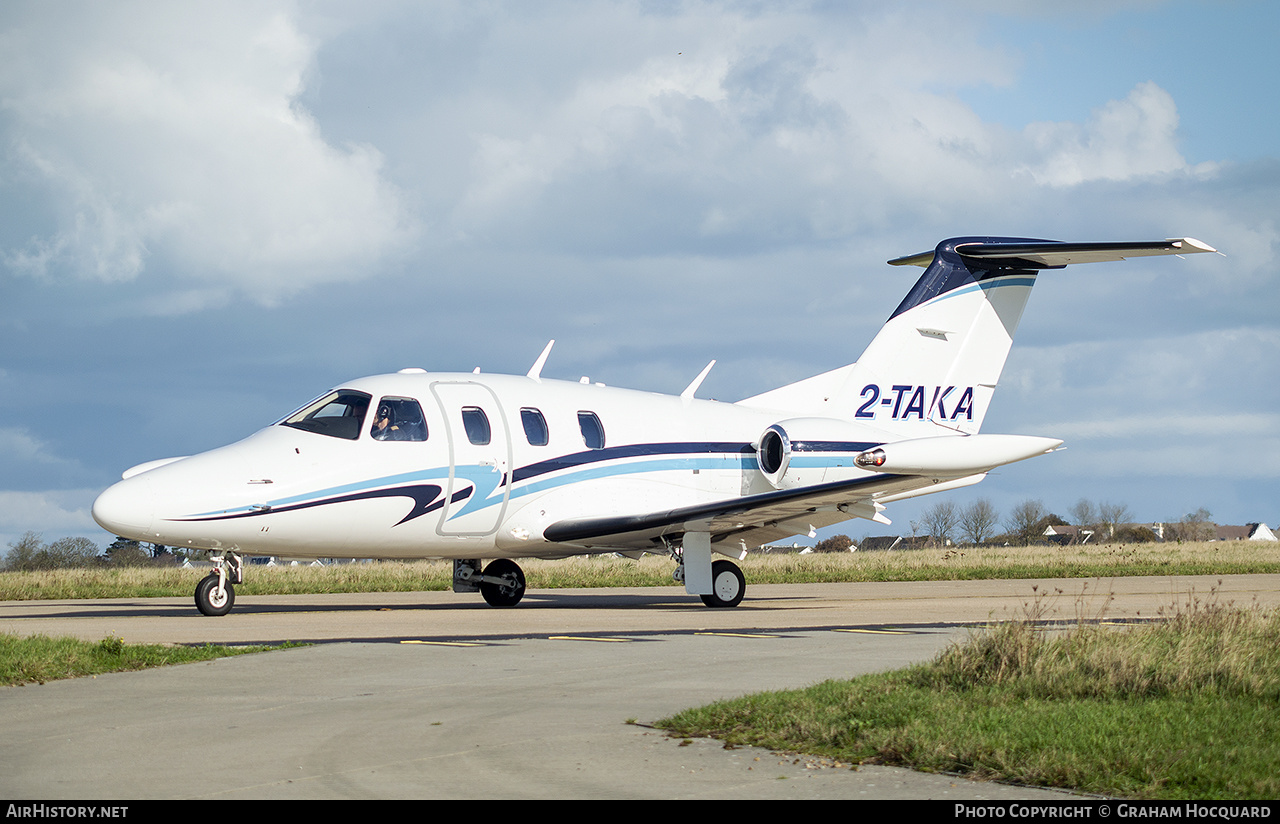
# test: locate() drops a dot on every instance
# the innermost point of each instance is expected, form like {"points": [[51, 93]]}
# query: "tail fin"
{"points": [[935, 363]]}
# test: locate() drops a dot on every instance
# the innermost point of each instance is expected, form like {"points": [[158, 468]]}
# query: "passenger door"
{"points": [[479, 458]]}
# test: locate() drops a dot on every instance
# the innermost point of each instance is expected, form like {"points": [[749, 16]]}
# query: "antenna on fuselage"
{"points": [[693, 387], [535, 371]]}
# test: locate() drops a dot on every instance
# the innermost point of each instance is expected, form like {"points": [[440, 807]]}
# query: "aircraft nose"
{"points": [[126, 508]]}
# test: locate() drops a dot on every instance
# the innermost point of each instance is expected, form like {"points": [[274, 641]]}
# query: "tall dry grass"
{"points": [[1180, 708], [1199, 646], [949, 563]]}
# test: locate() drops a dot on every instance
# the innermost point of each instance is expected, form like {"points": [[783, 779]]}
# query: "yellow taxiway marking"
{"points": [[738, 634], [588, 638], [448, 643], [879, 631]]}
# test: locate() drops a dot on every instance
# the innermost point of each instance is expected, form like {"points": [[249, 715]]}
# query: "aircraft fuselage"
{"points": [[498, 458]]}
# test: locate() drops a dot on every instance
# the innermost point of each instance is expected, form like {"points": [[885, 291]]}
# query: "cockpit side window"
{"points": [[476, 423], [398, 419], [338, 414]]}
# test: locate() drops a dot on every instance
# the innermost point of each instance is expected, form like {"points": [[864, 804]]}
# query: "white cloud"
{"points": [[21, 451], [55, 514], [174, 140], [1123, 139], [171, 137], [765, 130]]}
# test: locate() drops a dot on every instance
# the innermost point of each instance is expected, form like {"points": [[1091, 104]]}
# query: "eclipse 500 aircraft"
{"points": [[466, 466]]}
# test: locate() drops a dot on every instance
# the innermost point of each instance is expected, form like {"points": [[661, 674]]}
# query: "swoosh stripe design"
{"points": [[426, 498], [590, 465]]}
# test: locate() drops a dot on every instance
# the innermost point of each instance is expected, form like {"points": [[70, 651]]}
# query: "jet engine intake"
{"points": [[799, 451]]}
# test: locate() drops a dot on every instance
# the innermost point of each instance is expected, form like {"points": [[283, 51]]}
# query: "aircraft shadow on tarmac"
{"points": [[248, 605]]}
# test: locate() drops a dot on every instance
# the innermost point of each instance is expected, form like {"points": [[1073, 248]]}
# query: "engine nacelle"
{"points": [[778, 446], [954, 455]]}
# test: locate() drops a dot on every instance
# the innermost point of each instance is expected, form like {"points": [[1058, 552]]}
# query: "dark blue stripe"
{"points": [[950, 270], [426, 498], [614, 453]]}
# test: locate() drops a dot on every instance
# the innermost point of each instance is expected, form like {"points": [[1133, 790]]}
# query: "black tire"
{"points": [[206, 596], [727, 585], [498, 595]]}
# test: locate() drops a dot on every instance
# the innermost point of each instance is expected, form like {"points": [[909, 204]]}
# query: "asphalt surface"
{"points": [[434, 695]]}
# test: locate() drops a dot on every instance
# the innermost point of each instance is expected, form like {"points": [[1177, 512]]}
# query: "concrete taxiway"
{"points": [[434, 695]]}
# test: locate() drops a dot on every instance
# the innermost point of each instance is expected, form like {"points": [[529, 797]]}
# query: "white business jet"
{"points": [[465, 466]]}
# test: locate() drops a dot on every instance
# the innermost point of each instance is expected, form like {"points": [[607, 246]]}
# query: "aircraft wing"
{"points": [[1052, 253], [739, 523]]}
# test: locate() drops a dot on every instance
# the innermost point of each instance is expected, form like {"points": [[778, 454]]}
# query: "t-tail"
{"points": [[933, 367]]}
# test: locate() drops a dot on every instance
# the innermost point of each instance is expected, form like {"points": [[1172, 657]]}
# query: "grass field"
{"points": [[37, 659], [1188, 708], [953, 563]]}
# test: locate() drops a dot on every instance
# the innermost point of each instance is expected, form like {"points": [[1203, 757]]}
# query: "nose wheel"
{"points": [[216, 594]]}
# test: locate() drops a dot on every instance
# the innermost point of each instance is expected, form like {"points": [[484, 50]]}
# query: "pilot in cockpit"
{"points": [[383, 428]]}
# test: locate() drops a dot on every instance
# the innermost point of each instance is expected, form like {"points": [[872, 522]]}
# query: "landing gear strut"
{"points": [[215, 594], [727, 585]]}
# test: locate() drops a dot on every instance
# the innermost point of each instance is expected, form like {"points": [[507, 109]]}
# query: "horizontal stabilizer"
{"points": [[1053, 254]]}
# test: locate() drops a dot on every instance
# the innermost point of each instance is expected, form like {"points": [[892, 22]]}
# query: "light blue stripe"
{"points": [[479, 473], [995, 283]]}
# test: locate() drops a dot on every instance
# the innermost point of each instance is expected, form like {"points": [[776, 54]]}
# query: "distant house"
{"points": [[1066, 534], [882, 543], [1248, 532], [783, 549], [922, 542]]}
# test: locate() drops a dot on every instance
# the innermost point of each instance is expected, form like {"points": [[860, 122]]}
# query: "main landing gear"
{"points": [[215, 594], [726, 586], [501, 583]]}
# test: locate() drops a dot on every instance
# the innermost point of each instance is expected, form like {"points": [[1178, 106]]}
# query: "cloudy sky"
{"points": [[211, 212]]}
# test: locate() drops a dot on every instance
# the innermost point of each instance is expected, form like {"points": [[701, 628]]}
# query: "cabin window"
{"points": [[338, 414], [592, 430], [477, 425], [535, 427], [398, 419]]}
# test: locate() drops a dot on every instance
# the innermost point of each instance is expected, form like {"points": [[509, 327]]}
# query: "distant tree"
{"points": [[978, 521], [1049, 520], [125, 552], [30, 553], [836, 543], [1083, 513], [1135, 534], [1023, 520], [24, 553], [1194, 526], [72, 552], [1113, 516], [941, 520]]}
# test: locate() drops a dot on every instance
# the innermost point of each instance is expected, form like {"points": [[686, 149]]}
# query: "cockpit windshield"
{"points": [[339, 414]]}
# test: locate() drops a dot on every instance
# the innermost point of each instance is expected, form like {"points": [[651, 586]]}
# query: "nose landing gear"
{"points": [[215, 594]]}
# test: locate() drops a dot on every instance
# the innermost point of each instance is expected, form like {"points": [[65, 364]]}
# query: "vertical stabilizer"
{"points": [[936, 362]]}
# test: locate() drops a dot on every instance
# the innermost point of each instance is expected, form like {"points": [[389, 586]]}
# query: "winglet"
{"points": [[535, 371]]}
